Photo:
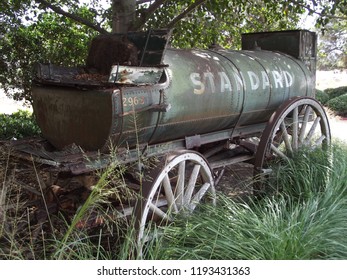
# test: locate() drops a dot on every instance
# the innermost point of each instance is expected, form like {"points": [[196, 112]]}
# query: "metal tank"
{"points": [[171, 93]]}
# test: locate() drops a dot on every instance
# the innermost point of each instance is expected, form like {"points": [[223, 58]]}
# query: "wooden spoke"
{"points": [[191, 184], [312, 131], [278, 152], [180, 184], [299, 122], [169, 194], [198, 196], [304, 124], [319, 141], [156, 210], [295, 128], [286, 137]]}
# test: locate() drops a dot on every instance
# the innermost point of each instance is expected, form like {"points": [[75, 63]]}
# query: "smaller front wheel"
{"points": [[178, 184]]}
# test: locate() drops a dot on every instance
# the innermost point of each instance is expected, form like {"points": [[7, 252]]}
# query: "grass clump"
{"points": [[303, 218], [32, 228]]}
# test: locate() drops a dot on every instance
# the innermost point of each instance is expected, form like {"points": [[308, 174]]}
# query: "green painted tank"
{"points": [[190, 92]]}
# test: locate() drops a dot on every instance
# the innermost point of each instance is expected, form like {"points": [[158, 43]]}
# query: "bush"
{"points": [[18, 125], [336, 92], [322, 97], [338, 104]]}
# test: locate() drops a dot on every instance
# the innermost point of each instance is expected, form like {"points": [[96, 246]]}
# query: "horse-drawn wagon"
{"points": [[194, 111]]}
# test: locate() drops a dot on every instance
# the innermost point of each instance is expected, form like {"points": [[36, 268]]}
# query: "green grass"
{"points": [[303, 216]]}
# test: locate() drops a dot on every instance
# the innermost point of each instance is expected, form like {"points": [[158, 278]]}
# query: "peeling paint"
{"points": [[135, 75]]}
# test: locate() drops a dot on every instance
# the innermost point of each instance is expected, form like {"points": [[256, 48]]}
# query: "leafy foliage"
{"points": [[223, 21], [18, 125], [334, 98], [339, 104], [59, 31], [52, 38], [336, 92], [332, 52], [322, 96]]}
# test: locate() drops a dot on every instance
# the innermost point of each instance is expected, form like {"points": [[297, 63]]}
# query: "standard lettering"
{"points": [[207, 80]]}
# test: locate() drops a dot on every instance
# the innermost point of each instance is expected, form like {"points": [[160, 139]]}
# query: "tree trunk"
{"points": [[123, 15]]}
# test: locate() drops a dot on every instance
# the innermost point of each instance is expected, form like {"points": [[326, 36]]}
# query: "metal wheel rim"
{"points": [[189, 200]]}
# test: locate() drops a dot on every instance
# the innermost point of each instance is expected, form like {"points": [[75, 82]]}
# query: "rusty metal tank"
{"points": [[175, 93]]}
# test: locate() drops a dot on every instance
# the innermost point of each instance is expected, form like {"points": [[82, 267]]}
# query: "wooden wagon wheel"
{"points": [[300, 122], [177, 185]]}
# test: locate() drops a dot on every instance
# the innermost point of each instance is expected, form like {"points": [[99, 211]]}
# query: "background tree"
{"points": [[29, 35], [59, 31], [333, 45]]}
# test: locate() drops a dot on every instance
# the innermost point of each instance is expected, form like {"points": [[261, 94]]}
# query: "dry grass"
{"points": [[64, 220]]}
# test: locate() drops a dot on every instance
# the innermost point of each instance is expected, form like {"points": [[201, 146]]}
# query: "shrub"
{"points": [[338, 104], [322, 96], [336, 92], [18, 125]]}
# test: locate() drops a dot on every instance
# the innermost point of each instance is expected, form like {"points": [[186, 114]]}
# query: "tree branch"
{"points": [[329, 50], [315, 12], [185, 12], [149, 11], [74, 17]]}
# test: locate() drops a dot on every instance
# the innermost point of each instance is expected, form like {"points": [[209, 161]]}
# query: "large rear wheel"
{"points": [[300, 123]]}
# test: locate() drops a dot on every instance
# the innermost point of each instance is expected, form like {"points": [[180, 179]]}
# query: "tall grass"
{"points": [[110, 240], [58, 236], [304, 217]]}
